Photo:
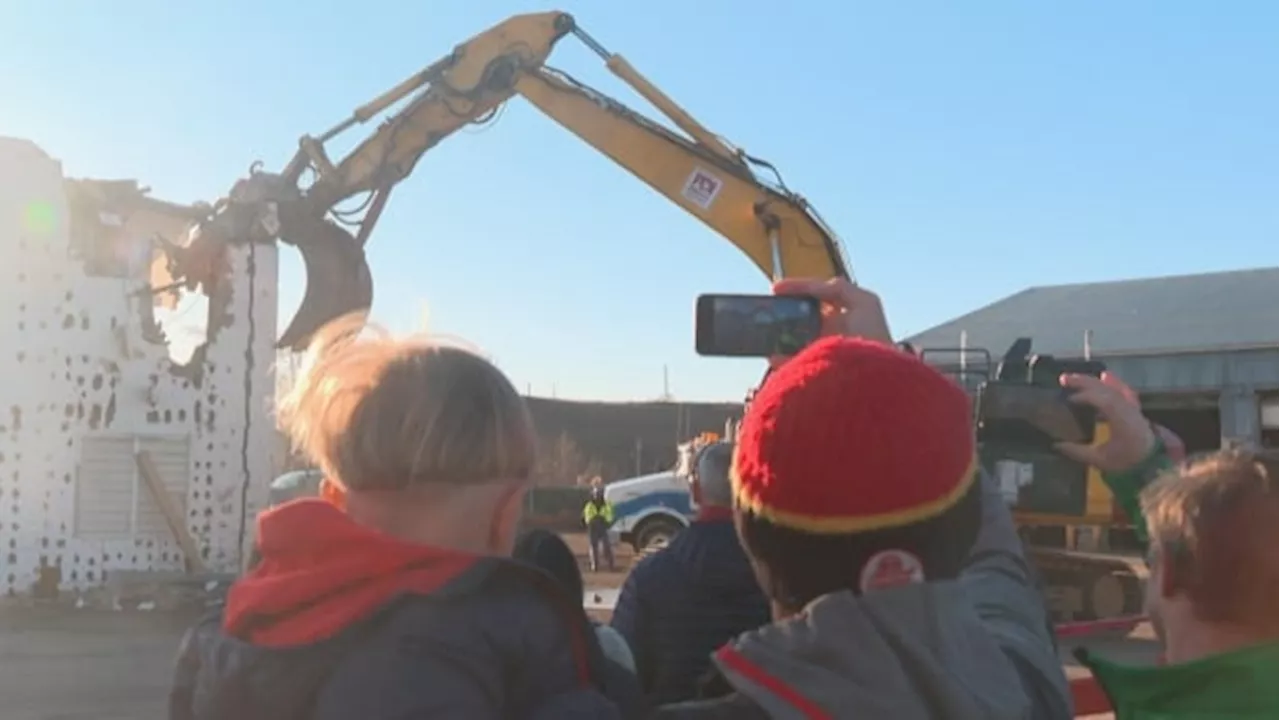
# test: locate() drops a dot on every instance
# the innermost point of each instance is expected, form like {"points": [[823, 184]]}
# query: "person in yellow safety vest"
{"points": [[597, 515]]}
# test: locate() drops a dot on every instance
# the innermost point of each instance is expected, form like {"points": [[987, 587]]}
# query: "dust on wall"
{"points": [[87, 377]]}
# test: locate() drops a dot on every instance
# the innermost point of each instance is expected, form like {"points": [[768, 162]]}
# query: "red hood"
{"points": [[321, 572]]}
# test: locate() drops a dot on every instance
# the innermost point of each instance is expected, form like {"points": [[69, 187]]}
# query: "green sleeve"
{"points": [[1127, 485]]}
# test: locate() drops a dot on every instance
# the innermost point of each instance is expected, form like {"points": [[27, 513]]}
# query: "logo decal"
{"points": [[701, 188], [890, 568]]}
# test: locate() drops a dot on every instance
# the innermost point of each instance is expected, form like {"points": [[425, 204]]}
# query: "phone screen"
{"points": [[1033, 414], [756, 325]]}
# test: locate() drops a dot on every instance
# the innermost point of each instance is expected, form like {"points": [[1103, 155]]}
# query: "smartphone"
{"points": [[755, 325], [1032, 415]]}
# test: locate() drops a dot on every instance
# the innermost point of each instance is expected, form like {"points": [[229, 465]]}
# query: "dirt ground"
{"points": [[82, 665], [76, 665]]}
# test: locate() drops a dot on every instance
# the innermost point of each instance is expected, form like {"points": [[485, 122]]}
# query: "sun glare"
{"points": [[39, 217]]}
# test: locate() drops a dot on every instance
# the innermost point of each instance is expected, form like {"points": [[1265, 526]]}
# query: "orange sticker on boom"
{"points": [[890, 568]]}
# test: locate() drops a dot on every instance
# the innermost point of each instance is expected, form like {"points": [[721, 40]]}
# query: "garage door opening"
{"points": [[1192, 417]]}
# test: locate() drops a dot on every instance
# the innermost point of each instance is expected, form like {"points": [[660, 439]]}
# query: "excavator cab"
{"points": [[1035, 477], [968, 367], [1051, 497]]}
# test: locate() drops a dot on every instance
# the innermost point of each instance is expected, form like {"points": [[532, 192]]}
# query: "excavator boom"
{"points": [[462, 88], [696, 170], [777, 230]]}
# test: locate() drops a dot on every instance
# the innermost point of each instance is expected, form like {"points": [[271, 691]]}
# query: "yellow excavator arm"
{"points": [[715, 182]]}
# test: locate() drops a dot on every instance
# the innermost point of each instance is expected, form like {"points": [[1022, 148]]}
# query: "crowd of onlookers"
{"points": [[850, 559]]}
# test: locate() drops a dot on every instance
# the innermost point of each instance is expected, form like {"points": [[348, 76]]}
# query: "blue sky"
{"points": [[963, 151]]}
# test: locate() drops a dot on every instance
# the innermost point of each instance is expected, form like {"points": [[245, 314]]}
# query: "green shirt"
{"points": [[1238, 685], [1127, 486]]}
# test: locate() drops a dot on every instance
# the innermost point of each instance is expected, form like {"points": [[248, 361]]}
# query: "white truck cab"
{"points": [[650, 510]]}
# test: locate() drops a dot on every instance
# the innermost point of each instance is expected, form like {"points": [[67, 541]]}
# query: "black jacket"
{"points": [[426, 658], [440, 635], [685, 601], [729, 707], [717, 700]]}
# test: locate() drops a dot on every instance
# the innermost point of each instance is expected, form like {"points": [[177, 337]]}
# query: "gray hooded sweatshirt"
{"points": [[977, 648]]}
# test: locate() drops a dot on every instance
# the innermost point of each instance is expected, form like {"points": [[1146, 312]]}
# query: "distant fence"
{"points": [[555, 508]]}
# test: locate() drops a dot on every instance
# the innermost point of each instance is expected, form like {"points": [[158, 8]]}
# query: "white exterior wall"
{"points": [[75, 365]]}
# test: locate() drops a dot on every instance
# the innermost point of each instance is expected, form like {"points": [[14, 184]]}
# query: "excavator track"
{"points": [[1089, 587]]}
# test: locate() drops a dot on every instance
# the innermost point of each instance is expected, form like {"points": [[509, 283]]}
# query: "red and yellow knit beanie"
{"points": [[851, 436]]}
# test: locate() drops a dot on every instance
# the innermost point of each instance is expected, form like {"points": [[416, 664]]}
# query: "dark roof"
{"points": [[1183, 313]]}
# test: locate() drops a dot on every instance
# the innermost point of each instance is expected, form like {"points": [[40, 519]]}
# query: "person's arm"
{"points": [[588, 514], [616, 648], [182, 691], [608, 514], [1127, 485], [998, 580], [629, 620], [1136, 449]]}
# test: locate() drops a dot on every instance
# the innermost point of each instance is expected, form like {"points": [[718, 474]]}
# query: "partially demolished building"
{"points": [[135, 428]]}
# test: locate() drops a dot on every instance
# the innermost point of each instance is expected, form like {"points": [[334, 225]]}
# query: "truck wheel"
{"points": [[655, 534]]}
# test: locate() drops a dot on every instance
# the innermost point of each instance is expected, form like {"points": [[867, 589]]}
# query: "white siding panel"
{"points": [[104, 492], [113, 501]]}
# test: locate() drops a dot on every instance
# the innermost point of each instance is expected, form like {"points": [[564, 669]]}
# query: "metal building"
{"points": [[1201, 349]]}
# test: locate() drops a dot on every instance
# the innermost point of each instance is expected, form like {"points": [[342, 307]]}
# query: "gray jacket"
{"points": [[973, 649]]}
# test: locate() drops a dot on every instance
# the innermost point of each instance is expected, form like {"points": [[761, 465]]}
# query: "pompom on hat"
{"points": [[853, 436]]}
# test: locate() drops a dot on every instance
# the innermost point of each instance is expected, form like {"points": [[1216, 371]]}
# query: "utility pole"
{"points": [[639, 456], [666, 386]]}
